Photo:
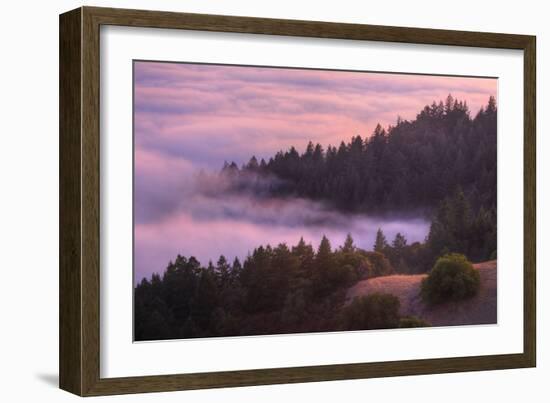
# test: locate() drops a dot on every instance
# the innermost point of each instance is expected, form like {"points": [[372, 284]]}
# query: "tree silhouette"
{"points": [[380, 244]]}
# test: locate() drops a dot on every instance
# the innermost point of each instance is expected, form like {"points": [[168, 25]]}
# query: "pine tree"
{"points": [[309, 151], [305, 254], [237, 266], [348, 246], [252, 164], [491, 105], [399, 242], [318, 153], [449, 102], [223, 269], [324, 264], [324, 251], [381, 243]]}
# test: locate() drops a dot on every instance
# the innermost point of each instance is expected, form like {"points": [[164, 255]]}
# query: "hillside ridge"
{"points": [[481, 309]]}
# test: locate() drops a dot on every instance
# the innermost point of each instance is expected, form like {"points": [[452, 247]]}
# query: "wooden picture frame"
{"points": [[79, 348]]}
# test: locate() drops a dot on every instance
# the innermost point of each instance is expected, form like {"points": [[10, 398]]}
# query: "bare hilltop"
{"points": [[481, 309]]}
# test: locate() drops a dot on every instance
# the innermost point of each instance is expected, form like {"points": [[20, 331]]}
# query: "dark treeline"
{"points": [[410, 166], [458, 228], [275, 290]]}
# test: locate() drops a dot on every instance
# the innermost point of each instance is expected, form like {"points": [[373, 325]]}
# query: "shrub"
{"points": [[451, 279], [374, 311], [412, 321]]}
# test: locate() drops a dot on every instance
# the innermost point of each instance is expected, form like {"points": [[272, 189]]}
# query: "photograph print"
{"points": [[273, 200]]}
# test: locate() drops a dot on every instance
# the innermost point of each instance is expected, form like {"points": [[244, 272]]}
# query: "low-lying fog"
{"points": [[208, 221]]}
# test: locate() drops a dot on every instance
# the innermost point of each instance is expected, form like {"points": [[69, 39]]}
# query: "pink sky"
{"points": [[209, 113], [193, 116]]}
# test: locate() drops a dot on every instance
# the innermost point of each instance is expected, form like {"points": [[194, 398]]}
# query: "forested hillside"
{"points": [[409, 166], [277, 289]]}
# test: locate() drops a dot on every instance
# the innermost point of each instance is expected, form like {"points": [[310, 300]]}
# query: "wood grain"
{"points": [[530, 202], [79, 277], [70, 271]]}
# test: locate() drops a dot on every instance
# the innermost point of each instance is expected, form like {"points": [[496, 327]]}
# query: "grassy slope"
{"points": [[482, 309]]}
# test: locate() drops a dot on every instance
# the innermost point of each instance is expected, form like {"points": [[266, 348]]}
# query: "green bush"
{"points": [[452, 278], [412, 321], [374, 311]]}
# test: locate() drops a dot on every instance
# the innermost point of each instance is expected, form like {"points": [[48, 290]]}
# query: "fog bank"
{"points": [[207, 223]]}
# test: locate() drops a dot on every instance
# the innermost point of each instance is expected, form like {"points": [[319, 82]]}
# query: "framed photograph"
{"points": [[249, 201]]}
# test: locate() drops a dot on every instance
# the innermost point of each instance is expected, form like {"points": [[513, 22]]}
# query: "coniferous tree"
{"points": [[223, 269], [305, 255], [399, 242], [236, 267], [381, 243], [323, 265], [348, 246]]}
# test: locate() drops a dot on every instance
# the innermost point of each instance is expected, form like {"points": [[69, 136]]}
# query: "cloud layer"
{"points": [[209, 113]]}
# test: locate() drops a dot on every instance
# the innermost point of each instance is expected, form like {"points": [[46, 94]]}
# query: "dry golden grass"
{"points": [[481, 309]]}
